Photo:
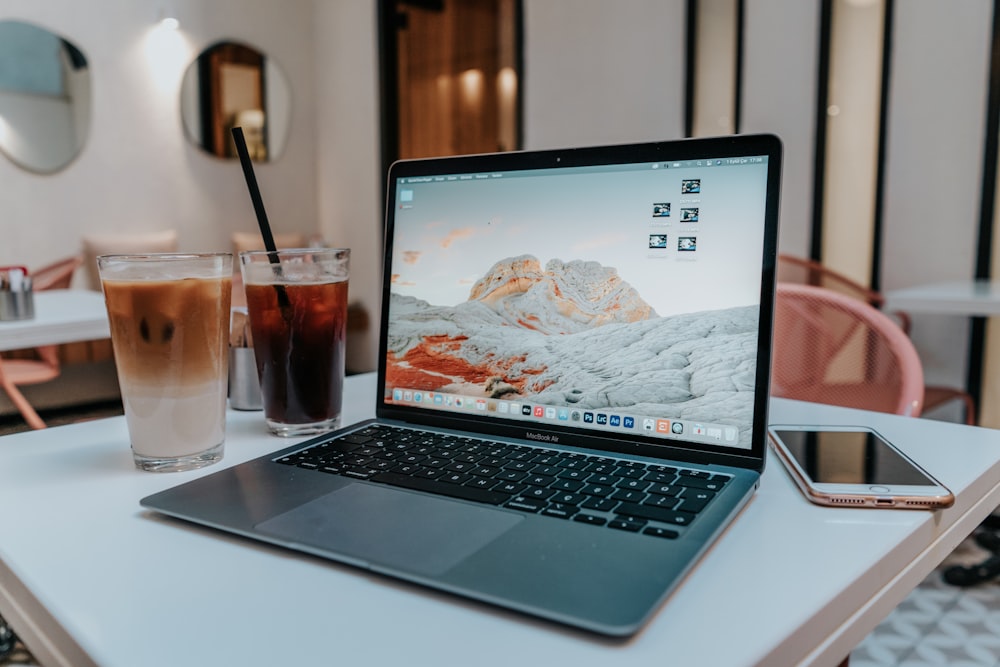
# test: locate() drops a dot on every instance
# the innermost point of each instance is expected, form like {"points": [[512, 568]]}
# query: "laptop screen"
{"points": [[621, 298]]}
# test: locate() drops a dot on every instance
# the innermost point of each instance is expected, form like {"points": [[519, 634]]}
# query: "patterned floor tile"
{"points": [[939, 624]]}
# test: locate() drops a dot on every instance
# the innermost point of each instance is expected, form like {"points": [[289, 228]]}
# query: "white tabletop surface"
{"points": [[61, 316], [957, 297], [88, 577]]}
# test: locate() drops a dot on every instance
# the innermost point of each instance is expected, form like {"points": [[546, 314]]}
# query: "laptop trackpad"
{"points": [[383, 526]]}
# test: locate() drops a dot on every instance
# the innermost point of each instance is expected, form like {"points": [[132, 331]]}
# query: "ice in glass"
{"points": [[297, 301]]}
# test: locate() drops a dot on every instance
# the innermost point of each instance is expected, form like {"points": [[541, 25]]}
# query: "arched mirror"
{"points": [[44, 97], [232, 84]]}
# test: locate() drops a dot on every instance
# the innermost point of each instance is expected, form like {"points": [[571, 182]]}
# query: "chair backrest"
{"points": [[802, 271], [124, 243], [253, 241], [57, 275], [834, 349]]}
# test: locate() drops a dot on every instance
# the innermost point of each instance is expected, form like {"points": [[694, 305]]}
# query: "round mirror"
{"points": [[44, 97], [229, 85]]}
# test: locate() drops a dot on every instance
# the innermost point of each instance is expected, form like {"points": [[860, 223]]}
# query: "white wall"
{"points": [[934, 170], [779, 96], [348, 174], [136, 172], [598, 72]]}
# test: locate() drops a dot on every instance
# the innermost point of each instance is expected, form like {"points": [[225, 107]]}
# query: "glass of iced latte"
{"points": [[169, 317], [297, 301]]}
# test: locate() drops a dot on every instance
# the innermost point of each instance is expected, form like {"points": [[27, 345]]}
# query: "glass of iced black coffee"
{"points": [[297, 302]]}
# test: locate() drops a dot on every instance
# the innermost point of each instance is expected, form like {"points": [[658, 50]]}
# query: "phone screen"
{"points": [[850, 457]]}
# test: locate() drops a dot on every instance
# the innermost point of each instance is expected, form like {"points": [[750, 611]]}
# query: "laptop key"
{"points": [[629, 524], [343, 446], [407, 468], [455, 477], [568, 498], [628, 496], [539, 492], [480, 482], [510, 488], [655, 514], [440, 488], [627, 471], [358, 472], [663, 502], [592, 519], [539, 480], [559, 510], [574, 474], [700, 483], [633, 484], [657, 531], [693, 505], [665, 490], [525, 504], [600, 504], [567, 485], [597, 490]]}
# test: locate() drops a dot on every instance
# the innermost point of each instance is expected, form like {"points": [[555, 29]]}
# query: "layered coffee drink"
{"points": [[170, 333]]}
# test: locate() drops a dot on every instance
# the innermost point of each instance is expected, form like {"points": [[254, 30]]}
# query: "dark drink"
{"points": [[299, 343]]}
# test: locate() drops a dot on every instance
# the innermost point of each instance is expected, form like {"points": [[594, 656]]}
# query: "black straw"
{"points": [[258, 203], [258, 207]]}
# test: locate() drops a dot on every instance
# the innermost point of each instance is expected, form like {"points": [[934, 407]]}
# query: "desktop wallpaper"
{"points": [[635, 290]]}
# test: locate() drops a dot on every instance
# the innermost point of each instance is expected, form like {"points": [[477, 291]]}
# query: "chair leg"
{"points": [[21, 403], [970, 409]]}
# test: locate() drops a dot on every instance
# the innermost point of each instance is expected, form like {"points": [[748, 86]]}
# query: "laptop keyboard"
{"points": [[600, 491]]}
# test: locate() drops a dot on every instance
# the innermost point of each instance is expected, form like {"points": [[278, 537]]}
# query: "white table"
{"points": [[959, 297], [965, 298], [87, 577], [61, 316]]}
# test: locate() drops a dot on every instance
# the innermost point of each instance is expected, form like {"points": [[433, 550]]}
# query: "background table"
{"points": [[980, 298], [87, 577], [61, 316], [971, 298]]}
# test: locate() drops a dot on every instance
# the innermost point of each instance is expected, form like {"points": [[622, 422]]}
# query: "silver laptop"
{"points": [[572, 388]]}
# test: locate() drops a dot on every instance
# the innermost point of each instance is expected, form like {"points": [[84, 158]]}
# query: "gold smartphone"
{"points": [[854, 466]]}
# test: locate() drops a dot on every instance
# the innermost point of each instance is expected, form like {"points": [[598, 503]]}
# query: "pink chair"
{"points": [[792, 269], [831, 348], [43, 364]]}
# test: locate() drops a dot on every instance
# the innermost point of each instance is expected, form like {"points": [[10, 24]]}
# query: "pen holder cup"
{"points": [[17, 305], [244, 385]]}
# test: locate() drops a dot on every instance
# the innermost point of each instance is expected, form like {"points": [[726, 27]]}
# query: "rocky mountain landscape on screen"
{"points": [[576, 333]]}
